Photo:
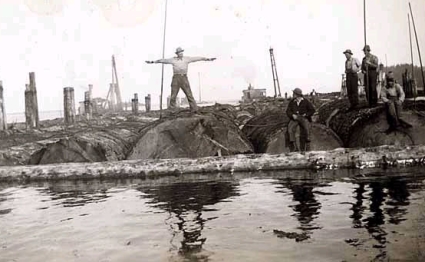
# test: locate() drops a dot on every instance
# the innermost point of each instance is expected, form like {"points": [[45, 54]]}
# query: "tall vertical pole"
{"points": [[417, 43], [365, 43], [163, 56], [199, 79], [364, 21], [3, 122], [410, 39], [386, 61], [116, 84]]}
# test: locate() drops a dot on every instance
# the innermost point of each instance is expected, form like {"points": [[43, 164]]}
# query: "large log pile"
{"points": [[211, 132], [102, 139], [268, 133], [366, 127]]}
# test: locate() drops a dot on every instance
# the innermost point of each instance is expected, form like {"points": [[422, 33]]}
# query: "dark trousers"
{"points": [[370, 79], [304, 125], [393, 109], [352, 83], [181, 81]]}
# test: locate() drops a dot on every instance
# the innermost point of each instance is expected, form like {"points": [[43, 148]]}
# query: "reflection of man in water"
{"points": [[396, 201], [308, 207], [186, 201]]}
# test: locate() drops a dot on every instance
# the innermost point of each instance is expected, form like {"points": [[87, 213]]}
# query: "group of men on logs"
{"points": [[300, 110], [377, 85]]}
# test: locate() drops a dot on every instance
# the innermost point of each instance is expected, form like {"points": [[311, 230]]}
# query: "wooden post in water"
{"points": [[33, 89], [3, 122], [148, 103], [135, 104], [88, 110], [69, 105], [30, 119]]}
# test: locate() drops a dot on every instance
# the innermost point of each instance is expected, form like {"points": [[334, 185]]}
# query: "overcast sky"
{"points": [[70, 43]]}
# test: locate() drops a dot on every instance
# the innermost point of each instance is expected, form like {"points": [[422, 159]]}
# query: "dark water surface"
{"points": [[283, 216]]}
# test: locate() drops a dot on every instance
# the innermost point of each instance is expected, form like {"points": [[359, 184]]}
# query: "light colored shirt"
{"points": [[180, 65], [396, 91], [381, 76], [352, 65]]}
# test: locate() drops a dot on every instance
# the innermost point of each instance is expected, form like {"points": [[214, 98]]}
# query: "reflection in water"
{"points": [[307, 209], [385, 219], [80, 192], [186, 201], [396, 198]]}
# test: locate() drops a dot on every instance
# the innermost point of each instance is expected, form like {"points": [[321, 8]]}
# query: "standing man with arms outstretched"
{"points": [[180, 66], [352, 67], [370, 71]]}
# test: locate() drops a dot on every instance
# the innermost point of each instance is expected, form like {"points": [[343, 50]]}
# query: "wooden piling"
{"points": [[135, 104], [3, 122], [33, 88], [69, 105], [148, 103], [30, 119], [88, 108]]}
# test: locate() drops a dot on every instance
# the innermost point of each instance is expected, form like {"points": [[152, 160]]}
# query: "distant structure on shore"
{"points": [[252, 94]]}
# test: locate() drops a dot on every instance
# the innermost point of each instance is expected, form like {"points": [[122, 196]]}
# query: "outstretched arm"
{"points": [[161, 61], [192, 59]]}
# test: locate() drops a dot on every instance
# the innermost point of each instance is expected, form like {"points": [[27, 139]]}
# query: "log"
{"points": [[268, 133], [209, 133], [366, 127], [341, 158], [84, 146]]}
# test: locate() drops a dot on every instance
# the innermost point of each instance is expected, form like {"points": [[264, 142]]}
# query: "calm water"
{"points": [[296, 216]]}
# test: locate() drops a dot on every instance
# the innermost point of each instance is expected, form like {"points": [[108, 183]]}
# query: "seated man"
{"points": [[393, 97], [299, 111]]}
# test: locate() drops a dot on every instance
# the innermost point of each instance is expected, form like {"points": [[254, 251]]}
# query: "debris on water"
{"points": [[291, 235], [353, 241]]}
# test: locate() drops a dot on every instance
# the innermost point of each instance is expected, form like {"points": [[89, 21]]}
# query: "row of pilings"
{"points": [[32, 119]]}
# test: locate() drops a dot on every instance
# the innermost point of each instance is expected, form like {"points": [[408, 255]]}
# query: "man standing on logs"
{"points": [[370, 70], [352, 67], [180, 66], [393, 97], [299, 111]]}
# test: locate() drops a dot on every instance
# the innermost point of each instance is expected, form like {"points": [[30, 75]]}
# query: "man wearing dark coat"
{"points": [[299, 111]]}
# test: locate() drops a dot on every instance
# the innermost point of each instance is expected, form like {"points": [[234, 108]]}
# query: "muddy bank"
{"points": [[383, 156]]}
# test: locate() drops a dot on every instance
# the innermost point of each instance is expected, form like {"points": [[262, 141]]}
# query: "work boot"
{"points": [[293, 147], [307, 146]]}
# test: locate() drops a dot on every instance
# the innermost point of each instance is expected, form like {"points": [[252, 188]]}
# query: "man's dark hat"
{"points": [[366, 48], [297, 91], [348, 51]]}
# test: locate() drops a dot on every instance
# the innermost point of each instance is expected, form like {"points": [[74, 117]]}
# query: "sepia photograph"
{"points": [[212, 130]]}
